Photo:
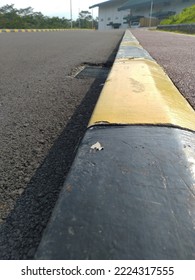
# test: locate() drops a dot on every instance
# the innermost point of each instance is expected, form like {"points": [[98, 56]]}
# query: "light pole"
{"points": [[79, 19], [71, 13], [92, 19], [151, 10]]}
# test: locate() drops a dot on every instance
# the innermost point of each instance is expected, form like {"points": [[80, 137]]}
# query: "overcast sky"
{"points": [[55, 8]]}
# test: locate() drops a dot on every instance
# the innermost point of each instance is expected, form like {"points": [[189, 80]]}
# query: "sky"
{"points": [[60, 8]]}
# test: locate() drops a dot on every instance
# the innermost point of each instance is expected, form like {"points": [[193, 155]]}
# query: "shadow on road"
{"points": [[20, 235]]}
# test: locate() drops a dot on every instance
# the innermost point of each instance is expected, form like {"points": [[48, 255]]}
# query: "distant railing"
{"points": [[187, 28]]}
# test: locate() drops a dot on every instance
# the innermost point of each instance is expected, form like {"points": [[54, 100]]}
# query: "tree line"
{"points": [[12, 18]]}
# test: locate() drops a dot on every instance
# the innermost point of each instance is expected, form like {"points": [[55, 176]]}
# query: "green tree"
{"points": [[27, 18], [8, 16], [85, 19]]}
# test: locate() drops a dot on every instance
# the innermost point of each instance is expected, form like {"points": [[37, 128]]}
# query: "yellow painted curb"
{"points": [[41, 30], [139, 92], [130, 44]]}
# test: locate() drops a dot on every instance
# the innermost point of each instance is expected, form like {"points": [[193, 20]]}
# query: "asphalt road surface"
{"points": [[44, 112], [176, 54]]}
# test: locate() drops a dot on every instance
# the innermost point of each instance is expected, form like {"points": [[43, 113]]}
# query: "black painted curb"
{"points": [[132, 199], [129, 195]]}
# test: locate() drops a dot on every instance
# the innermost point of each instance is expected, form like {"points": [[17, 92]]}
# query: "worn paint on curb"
{"points": [[138, 91]]}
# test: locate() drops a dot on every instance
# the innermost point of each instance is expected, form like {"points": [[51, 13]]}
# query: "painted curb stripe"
{"points": [[138, 91], [141, 181], [40, 30], [132, 200]]}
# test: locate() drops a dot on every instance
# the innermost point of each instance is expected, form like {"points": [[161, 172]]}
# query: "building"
{"points": [[109, 15], [123, 13]]}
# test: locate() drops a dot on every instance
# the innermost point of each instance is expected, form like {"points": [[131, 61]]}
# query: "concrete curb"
{"points": [[130, 191], [39, 30], [142, 86]]}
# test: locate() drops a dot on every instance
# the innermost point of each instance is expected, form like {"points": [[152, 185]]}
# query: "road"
{"points": [[176, 54], [44, 113]]}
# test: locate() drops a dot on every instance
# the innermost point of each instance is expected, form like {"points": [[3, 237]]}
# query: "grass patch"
{"points": [[187, 16]]}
